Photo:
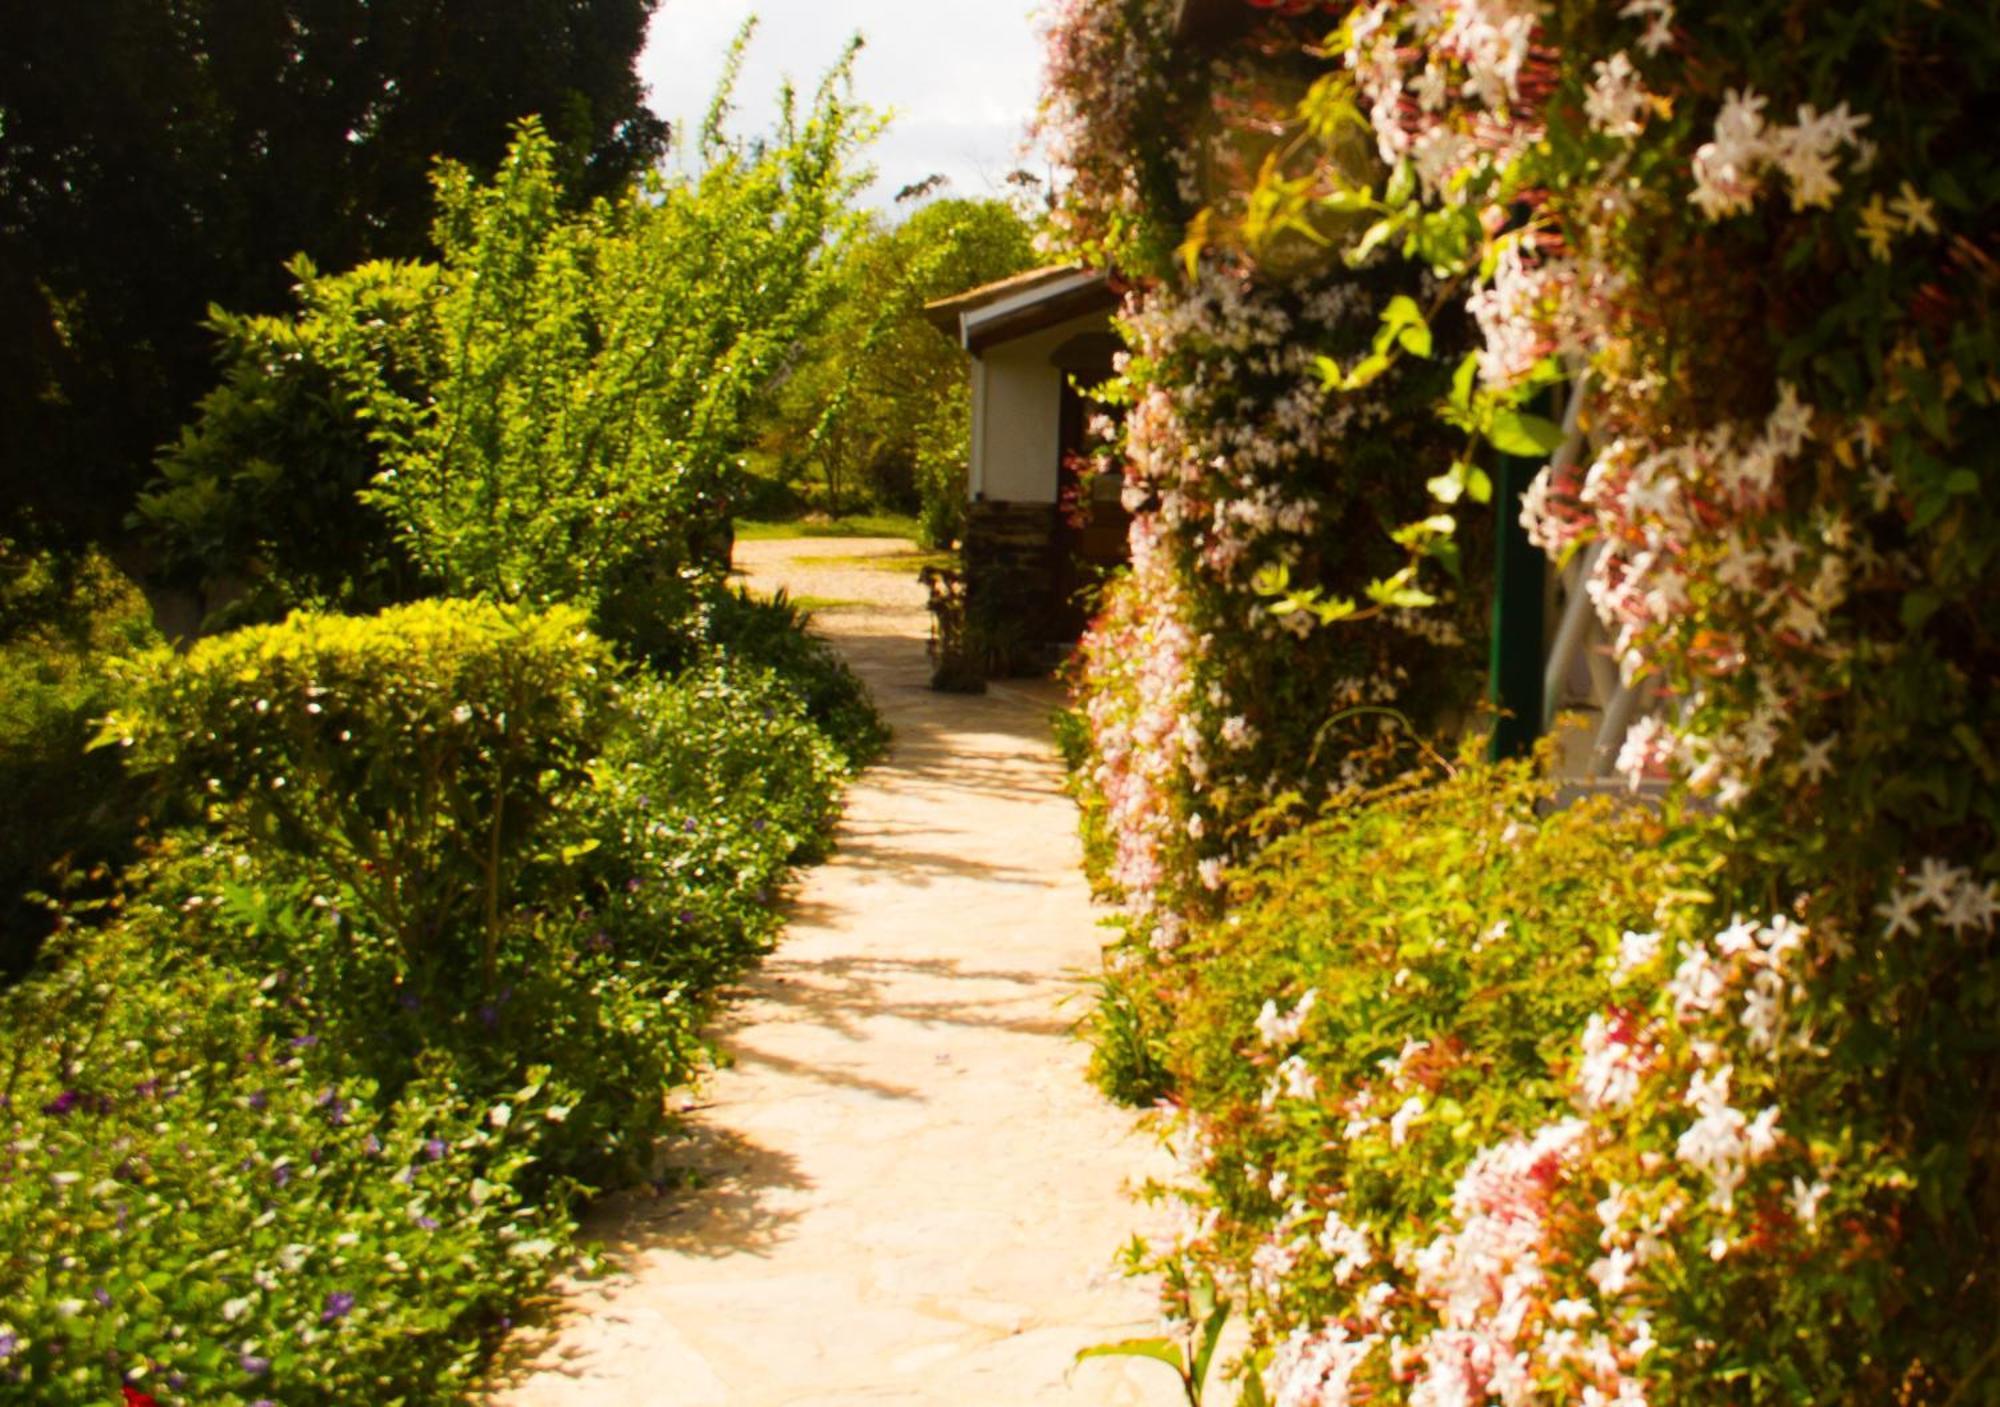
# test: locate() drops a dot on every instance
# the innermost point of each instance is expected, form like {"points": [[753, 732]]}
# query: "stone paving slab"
{"points": [[908, 1193]]}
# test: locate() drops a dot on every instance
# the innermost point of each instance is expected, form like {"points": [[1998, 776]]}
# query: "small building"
{"points": [[1039, 521]]}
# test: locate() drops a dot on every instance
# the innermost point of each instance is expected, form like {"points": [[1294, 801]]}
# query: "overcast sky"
{"points": [[961, 75]]}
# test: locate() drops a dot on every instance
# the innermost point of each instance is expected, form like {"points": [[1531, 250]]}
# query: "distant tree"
{"points": [[876, 403], [158, 157]]}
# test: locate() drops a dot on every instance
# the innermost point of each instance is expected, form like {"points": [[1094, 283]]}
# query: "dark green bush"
{"points": [[669, 625], [1392, 989], [65, 809], [413, 756], [772, 633], [202, 1199], [260, 494]]}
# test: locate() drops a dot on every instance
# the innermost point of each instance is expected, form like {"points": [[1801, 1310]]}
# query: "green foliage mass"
{"points": [[194, 1186], [260, 495], [1446, 944], [876, 405], [454, 920], [553, 411], [69, 814], [165, 155], [414, 754]]}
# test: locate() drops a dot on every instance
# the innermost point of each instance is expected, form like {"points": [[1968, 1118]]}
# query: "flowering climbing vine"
{"points": [[1749, 250]]}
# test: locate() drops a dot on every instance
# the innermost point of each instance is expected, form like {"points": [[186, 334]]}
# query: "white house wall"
{"points": [[1017, 415]]}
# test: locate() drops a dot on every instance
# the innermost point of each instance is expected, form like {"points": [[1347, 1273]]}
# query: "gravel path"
{"points": [[907, 1191]]}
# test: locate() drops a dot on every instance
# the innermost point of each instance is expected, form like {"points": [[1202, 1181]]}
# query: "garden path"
{"points": [[907, 1191]]}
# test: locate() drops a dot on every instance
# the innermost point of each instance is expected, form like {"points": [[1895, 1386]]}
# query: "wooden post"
{"points": [[1516, 664]]}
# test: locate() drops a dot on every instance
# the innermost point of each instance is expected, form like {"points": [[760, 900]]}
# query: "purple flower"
{"points": [[9, 1341], [337, 1306], [102, 1296], [489, 1016], [371, 1145], [146, 1089], [62, 1104], [263, 1402], [600, 942], [281, 1176], [254, 1366], [428, 1223], [688, 825], [632, 885], [260, 1101], [301, 1042], [434, 1149], [687, 916]]}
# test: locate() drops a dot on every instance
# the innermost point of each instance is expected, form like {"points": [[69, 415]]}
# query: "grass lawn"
{"points": [[861, 525], [893, 562]]}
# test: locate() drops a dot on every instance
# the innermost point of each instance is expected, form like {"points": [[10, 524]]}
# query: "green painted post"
{"points": [[1516, 664]]}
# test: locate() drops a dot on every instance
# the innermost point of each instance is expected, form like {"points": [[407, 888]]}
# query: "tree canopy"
{"points": [[158, 157], [877, 404]]}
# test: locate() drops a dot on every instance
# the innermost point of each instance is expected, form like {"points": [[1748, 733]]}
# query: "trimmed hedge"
{"points": [[305, 1122]]}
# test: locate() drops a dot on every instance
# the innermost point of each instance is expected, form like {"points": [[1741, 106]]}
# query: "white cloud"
{"points": [[959, 77]]}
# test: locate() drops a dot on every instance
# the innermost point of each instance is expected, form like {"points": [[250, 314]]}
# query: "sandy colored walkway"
{"points": [[908, 1191]]}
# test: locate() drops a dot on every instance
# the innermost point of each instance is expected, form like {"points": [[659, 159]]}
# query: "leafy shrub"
{"points": [[772, 633], [60, 616], [260, 495], [1393, 990], [695, 812], [413, 755], [195, 1203], [589, 408]]}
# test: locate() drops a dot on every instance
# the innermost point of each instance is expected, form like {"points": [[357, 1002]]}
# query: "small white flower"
{"points": [[1401, 1121], [1805, 1199]]}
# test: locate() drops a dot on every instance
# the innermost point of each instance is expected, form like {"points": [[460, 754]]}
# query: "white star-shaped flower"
{"points": [[1879, 228], [1881, 487], [1918, 214], [1899, 914], [1816, 761], [1783, 553], [1936, 882], [1974, 905]]}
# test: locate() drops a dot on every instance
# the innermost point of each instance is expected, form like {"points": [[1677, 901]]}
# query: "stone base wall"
{"points": [[1015, 585]]}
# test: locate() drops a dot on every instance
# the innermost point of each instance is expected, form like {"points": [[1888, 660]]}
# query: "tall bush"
{"points": [[414, 755], [1750, 239], [71, 816], [553, 409], [587, 417]]}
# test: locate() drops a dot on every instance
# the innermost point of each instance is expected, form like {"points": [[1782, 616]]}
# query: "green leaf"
{"points": [[1165, 1350], [1522, 435], [1961, 481], [1211, 1334], [1365, 371], [1372, 240], [1918, 607], [1461, 382]]}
